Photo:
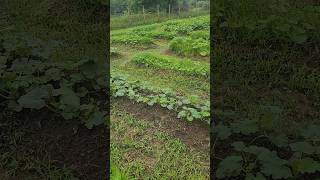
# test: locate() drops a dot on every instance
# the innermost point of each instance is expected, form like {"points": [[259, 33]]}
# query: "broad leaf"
{"points": [[35, 99], [230, 166]]}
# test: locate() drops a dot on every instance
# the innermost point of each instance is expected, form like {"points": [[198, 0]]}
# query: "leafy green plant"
{"points": [[135, 90], [252, 161], [164, 62], [116, 174], [31, 82]]}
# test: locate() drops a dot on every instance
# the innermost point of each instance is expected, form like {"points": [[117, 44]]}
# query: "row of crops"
{"points": [[173, 32], [185, 36]]}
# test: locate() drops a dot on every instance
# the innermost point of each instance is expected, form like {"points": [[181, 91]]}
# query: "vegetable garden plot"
{"points": [[265, 62], [142, 75]]}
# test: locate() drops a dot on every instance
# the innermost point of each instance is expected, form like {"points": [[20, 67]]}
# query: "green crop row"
{"points": [[116, 173], [139, 92], [164, 62], [187, 46]]}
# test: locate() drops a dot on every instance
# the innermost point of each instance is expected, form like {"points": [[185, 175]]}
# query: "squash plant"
{"points": [[29, 81]]}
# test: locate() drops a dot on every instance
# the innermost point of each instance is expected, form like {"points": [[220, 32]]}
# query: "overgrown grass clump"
{"points": [[164, 62]]}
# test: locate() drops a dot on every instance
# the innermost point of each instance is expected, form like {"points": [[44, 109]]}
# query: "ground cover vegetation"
{"points": [[267, 97], [53, 90], [159, 125]]}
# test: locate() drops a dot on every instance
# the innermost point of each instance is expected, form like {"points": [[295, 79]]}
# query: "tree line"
{"points": [[131, 6]]}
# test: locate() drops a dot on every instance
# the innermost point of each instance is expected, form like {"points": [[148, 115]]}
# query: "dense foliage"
{"points": [[135, 5], [30, 82], [298, 158]]}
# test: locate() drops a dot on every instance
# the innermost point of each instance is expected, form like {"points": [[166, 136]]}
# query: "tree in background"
{"points": [[119, 6], [185, 5]]}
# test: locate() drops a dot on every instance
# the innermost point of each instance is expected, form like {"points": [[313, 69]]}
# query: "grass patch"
{"points": [[142, 151]]}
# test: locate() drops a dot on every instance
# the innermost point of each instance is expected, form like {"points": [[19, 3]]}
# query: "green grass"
{"points": [[144, 152], [18, 160]]}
